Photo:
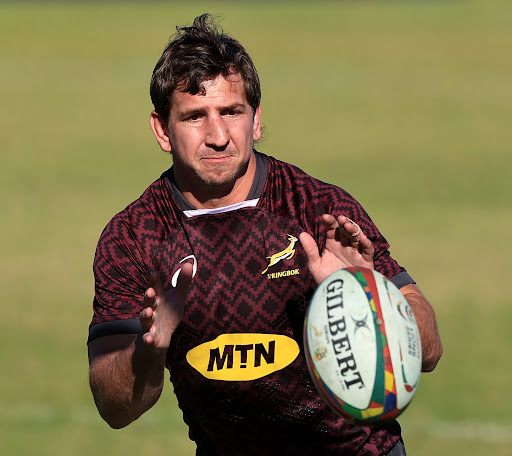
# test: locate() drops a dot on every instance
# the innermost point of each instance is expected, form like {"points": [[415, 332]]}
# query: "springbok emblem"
{"points": [[285, 254]]}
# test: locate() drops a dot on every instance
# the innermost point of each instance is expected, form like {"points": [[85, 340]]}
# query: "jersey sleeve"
{"points": [[383, 261], [120, 274]]}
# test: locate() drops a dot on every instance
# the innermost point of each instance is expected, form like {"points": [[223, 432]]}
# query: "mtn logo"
{"points": [[243, 356]]}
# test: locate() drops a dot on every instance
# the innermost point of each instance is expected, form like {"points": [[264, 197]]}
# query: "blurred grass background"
{"points": [[407, 105]]}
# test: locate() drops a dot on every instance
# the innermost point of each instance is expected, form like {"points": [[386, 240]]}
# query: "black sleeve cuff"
{"points": [[110, 328], [402, 279]]}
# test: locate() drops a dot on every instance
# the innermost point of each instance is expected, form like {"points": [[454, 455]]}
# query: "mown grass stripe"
{"points": [[44, 413]]}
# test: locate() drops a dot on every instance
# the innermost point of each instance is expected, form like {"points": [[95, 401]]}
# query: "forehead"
{"points": [[219, 91]]}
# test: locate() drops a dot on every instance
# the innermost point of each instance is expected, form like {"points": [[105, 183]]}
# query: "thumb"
{"points": [[184, 281], [310, 247]]}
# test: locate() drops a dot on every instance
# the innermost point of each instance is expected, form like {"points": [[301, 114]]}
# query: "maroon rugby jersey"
{"points": [[236, 360]]}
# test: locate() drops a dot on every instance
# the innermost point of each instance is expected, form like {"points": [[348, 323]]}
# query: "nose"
{"points": [[217, 135]]}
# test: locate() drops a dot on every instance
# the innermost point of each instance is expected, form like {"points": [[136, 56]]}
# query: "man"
{"points": [[209, 272]]}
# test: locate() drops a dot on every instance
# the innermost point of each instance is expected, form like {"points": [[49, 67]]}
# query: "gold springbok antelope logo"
{"points": [[285, 254]]}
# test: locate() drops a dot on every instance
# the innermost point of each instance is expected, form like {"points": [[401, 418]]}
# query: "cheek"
{"points": [[186, 144], [244, 136]]}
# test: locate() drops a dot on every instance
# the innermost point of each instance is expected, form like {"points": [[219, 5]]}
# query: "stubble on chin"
{"points": [[218, 176]]}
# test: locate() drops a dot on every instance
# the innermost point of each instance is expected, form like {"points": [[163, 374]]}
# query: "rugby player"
{"points": [[208, 274]]}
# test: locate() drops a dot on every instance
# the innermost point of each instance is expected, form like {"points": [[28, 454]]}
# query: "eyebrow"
{"points": [[233, 106]]}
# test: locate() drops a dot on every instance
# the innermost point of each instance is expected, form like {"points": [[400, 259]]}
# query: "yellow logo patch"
{"points": [[243, 356]]}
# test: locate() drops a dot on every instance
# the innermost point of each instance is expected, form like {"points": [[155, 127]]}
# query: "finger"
{"points": [[146, 317], [155, 282], [366, 248], [333, 229], [310, 247], [148, 338], [149, 298], [349, 228], [330, 222], [342, 229]]}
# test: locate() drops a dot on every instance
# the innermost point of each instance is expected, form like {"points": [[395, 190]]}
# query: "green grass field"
{"points": [[404, 104]]}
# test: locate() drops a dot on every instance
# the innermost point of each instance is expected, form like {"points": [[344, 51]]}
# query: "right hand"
{"points": [[163, 309], [346, 245]]}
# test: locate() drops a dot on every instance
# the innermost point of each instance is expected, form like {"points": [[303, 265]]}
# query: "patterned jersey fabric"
{"points": [[236, 360]]}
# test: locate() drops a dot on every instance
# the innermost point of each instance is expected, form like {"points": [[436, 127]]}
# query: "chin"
{"points": [[219, 177], [218, 181]]}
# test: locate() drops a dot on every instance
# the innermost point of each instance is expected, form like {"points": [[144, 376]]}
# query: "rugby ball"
{"points": [[362, 346]]}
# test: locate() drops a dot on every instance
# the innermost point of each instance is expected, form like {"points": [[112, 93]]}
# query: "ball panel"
{"points": [[384, 374], [340, 338], [406, 347]]}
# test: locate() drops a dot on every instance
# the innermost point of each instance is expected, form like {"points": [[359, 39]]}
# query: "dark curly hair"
{"points": [[197, 54]]}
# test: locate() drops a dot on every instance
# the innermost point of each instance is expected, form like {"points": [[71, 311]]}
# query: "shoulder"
{"points": [[153, 207], [294, 193], [124, 255], [141, 225], [295, 184]]}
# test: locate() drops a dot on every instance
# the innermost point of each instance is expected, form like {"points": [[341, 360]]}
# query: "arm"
{"points": [[126, 371], [431, 346], [126, 378]]}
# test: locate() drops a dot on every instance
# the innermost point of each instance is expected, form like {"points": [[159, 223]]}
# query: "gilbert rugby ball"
{"points": [[362, 346]]}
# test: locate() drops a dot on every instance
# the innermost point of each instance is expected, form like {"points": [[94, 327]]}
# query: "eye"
{"points": [[195, 116], [232, 112]]}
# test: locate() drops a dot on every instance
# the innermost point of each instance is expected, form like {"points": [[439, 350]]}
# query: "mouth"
{"points": [[217, 158]]}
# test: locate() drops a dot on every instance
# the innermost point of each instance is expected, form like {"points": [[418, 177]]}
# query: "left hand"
{"points": [[163, 309], [346, 246]]}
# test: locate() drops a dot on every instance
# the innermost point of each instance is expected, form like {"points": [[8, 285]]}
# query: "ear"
{"points": [[161, 131], [256, 127]]}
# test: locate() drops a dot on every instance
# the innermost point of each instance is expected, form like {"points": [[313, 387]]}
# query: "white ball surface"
{"points": [[362, 345]]}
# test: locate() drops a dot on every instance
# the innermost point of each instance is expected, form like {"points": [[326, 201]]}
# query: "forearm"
{"points": [[432, 348], [127, 382]]}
